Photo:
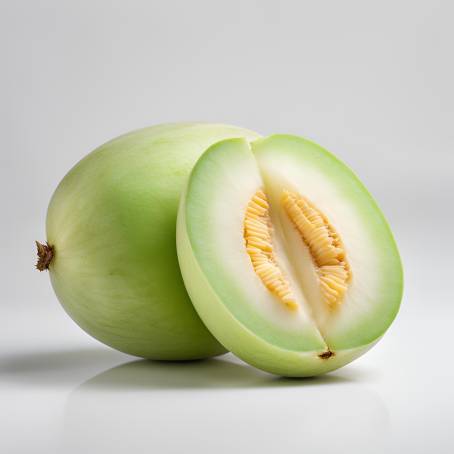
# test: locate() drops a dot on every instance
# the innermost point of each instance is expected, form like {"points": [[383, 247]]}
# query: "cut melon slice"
{"points": [[286, 256]]}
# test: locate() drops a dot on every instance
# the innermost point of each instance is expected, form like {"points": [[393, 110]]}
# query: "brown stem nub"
{"points": [[45, 255], [326, 355]]}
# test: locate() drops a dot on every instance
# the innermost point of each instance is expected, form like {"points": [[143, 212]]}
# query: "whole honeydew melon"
{"points": [[111, 250]]}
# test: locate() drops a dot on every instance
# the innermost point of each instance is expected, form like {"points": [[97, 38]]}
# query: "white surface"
{"points": [[62, 392], [370, 81]]}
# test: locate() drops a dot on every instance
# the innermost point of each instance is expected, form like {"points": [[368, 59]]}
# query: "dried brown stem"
{"points": [[45, 255]]}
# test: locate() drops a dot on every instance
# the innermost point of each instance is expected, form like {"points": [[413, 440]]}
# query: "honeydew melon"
{"points": [[111, 250], [286, 256]]}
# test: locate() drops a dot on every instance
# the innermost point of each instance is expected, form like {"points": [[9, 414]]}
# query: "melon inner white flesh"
{"points": [[293, 245], [326, 274]]}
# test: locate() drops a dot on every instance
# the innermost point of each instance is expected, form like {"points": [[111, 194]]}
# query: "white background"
{"points": [[371, 81]]}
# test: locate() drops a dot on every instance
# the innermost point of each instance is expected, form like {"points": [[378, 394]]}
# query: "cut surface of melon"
{"points": [[279, 242]]}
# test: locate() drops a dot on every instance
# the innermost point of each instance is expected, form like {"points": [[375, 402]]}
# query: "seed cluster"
{"points": [[325, 246], [259, 246]]}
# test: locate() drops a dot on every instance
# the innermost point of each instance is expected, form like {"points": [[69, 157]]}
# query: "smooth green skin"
{"points": [[257, 350], [112, 223]]}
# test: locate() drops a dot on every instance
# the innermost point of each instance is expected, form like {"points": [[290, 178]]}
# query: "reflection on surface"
{"points": [[221, 405], [57, 367], [204, 374]]}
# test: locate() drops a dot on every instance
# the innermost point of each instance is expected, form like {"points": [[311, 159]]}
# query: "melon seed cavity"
{"points": [[318, 234]]}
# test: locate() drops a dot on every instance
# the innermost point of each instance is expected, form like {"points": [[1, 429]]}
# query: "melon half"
{"points": [[287, 258]]}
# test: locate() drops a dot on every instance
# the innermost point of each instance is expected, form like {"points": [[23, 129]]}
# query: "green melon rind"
{"points": [[234, 336]]}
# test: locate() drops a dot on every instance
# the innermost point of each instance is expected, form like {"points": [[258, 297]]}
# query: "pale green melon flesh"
{"points": [[112, 222], [232, 301]]}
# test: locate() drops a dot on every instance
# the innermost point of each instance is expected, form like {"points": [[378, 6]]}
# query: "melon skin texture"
{"points": [[111, 223], [233, 302]]}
